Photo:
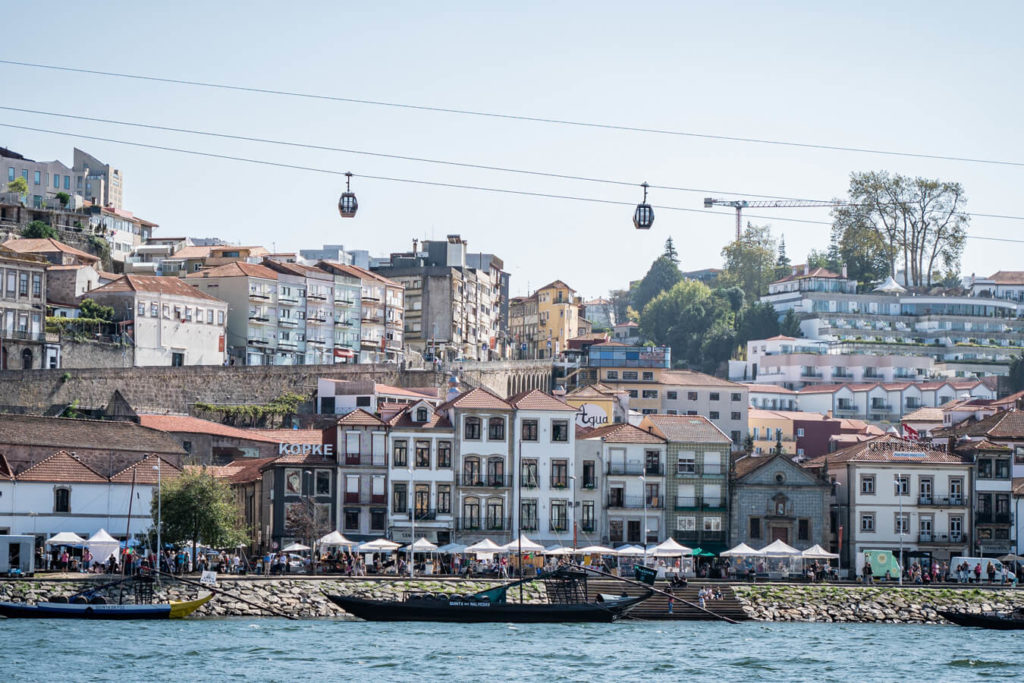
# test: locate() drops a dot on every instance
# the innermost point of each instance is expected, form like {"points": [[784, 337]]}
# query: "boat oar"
{"points": [[656, 590], [230, 595]]}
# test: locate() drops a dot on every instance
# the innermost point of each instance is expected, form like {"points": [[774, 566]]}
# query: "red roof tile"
{"points": [[535, 399], [360, 418], [62, 467], [48, 245], [478, 398], [624, 433], [887, 448], [300, 436], [145, 474], [152, 284], [194, 425], [236, 269]]}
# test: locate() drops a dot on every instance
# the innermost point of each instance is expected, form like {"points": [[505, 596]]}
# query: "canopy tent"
{"points": [[420, 546], [1011, 558], [779, 548], [523, 544], [452, 549], [294, 548], [102, 545], [890, 286], [595, 550], [335, 540], [742, 550], [66, 538], [669, 548], [559, 550], [629, 551], [816, 552], [484, 546], [378, 545], [779, 560]]}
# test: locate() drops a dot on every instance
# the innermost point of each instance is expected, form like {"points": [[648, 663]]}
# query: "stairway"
{"points": [[656, 606]]}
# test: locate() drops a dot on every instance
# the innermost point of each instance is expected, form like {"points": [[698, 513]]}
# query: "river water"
{"points": [[279, 650]]}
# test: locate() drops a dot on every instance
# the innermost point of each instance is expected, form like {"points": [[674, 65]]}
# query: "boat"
{"points": [[566, 593], [94, 609], [1004, 621]]}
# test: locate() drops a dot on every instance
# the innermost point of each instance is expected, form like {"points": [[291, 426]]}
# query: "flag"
{"points": [[910, 433]]}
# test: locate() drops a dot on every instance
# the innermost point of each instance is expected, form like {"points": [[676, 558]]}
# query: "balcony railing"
{"points": [[694, 470], [559, 525], [483, 523], [378, 460], [636, 502], [425, 515], [942, 501], [23, 335], [713, 503], [941, 538], [995, 517], [484, 480], [636, 469]]}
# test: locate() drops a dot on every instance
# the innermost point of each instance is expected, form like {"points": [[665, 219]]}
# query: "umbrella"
{"points": [[596, 550], [294, 548], [816, 552], [559, 550], [65, 538], [335, 539], [421, 546], [484, 546], [102, 545], [1011, 558], [452, 549], [669, 548], [741, 550], [378, 545], [779, 548], [524, 544], [629, 551]]}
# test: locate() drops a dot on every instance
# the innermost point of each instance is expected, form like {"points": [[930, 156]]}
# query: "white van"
{"points": [[973, 562]]}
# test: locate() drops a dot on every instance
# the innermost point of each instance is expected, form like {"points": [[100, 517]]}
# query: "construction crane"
{"points": [[740, 204]]}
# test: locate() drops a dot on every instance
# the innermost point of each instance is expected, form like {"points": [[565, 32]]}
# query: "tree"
{"points": [[63, 198], [750, 262], [661, 276], [91, 309], [782, 264], [790, 324], [694, 321], [734, 295], [307, 521], [1016, 375], [18, 185], [756, 321], [620, 303], [38, 230], [670, 251], [862, 250], [920, 221], [196, 507]]}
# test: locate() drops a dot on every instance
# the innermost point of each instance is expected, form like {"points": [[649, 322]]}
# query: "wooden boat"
{"points": [[996, 620], [174, 609], [567, 602]]}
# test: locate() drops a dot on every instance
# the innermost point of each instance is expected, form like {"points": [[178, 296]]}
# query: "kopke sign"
{"points": [[591, 415], [305, 449]]}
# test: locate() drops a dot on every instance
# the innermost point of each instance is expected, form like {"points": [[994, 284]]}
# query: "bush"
{"points": [[38, 230]]}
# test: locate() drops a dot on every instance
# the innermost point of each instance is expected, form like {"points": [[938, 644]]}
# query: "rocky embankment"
{"points": [[295, 597], [891, 605]]}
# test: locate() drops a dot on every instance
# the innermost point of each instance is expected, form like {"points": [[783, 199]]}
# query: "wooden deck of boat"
{"points": [[656, 606]]}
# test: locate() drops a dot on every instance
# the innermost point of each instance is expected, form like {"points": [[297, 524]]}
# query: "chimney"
{"points": [[844, 272], [415, 245]]}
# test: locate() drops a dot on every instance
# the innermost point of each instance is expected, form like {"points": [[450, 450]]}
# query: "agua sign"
{"points": [[591, 415], [305, 449]]}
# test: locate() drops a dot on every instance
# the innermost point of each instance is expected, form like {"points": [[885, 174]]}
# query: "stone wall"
{"points": [[76, 355]]}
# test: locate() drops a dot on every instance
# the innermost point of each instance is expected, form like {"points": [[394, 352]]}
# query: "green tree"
{"points": [[198, 507], [920, 221], [670, 251], [620, 303], [750, 262], [38, 230], [783, 267], [734, 295], [790, 324], [694, 321], [63, 198], [863, 251], [756, 321], [95, 311], [1016, 375], [661, 276], [19, 185]]}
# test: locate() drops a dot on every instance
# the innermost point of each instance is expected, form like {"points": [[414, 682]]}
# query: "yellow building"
{"points": [[558, 312], [766, 426], [598, 405]]}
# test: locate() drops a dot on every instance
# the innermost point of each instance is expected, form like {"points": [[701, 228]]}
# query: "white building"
{"points": [[338, 396], [887, 402], [360, 441], [171, 322]]}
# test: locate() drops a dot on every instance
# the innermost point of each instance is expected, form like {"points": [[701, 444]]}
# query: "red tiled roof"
{"points": [[768, 389], [241, 471], [692, 378], [983, 445], [194, 425], [299, 436], [745, 464], [360, 418], [686, 429], [813, 272], [535, 399], [1007, 424], [152, 284], [192, 252], [403, 420], [624, 433], [47, 245], [62, 467], [478, 398], [236, 269], [66, 434], [887, 448], [144, 472], [1007, 277]]}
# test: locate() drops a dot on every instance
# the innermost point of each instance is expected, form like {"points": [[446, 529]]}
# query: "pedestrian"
{"points": [[977, 573], [991, 571], [701, 597], [671, 598], [867, 574]]}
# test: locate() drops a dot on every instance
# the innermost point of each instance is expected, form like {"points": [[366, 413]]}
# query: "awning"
{"points": [[523, 544], [378, 545], [335, 539], [742, 550], [816, 552], [66, 538], [779, 548], [294, 548]]}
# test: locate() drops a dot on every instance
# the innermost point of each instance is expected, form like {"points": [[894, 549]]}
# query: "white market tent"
{"points": [[379, 545], [522, 543], [742, 550], [452, 549], [629, 551], [102, 545], [670, 548], [294, 548], [816, 552], [779, 548], [781, 559], [335, 540], [66, 538], [595, 550], [421, 546], [559, 550], [484, 546]]}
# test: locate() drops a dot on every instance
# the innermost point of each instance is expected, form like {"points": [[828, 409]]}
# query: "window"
{"points": [[471, 472], [67, 182], [323, 482], [421, 501], [735, 396], [671, 395], [715, 396], [142, 309], [867, 484], [528, 512], [688, 523], [10, 173], [1002, 468], [531, 479], [495, 520], [713, 415], [209, 316], [62, 500], [400, 452], [177, 359], [628, 375], [560, 430], [36, 178], [362, 401], [351, 519], [648, 376], [587, 516], [496, 472], [559, 519], [444, 453], [421, 414], [444, 499], [800, 431], [472, 428], [803, 529], [529, 428], [378, 519], [37, 284], [589, 474], [867, 522], [735, 416], [400, 499], [423, 454], [755, 527], [23, 284], [496, 429], [902, 484], [650, 393], [633, 393], [559, 474], [901, 523], [615, 534], [686, 462], [712, 524], [691, 396], [612, 374], [154, 310]]}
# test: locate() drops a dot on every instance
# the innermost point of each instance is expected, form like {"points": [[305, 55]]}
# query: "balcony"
{"points": [[23, 335], [288, 299], [994, 517], [286, 322], [484, 480], [320, 296], [259, 317], [942, 539], [941, 501], [636, 502], [260, 296], [483, 524], [636, 469], [589, 485], [424, 515], [560, 525], [683, 503], [342, 323], [713, 503], [357, 459]]}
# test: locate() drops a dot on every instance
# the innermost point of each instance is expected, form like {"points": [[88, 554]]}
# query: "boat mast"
{"points": [[519, 512], [412, 518], [127, 537]]}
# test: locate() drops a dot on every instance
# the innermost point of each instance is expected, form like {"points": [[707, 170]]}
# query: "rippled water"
{"points": [[279, 650]]}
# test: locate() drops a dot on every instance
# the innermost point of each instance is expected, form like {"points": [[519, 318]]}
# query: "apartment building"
{"points": [[877, 402], [382, 313], [600, 312], [524, 327], [123, 230], [360, 441], [88, 177], [22, 310], [558, 318], [305, 313]]}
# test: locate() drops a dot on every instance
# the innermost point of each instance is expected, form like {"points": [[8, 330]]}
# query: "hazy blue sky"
{"points": [[933, 77]]}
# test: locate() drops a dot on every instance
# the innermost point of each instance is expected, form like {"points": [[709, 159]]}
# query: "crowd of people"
{"points": [[922, 573]]}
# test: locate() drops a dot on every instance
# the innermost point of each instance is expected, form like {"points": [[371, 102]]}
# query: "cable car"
{"points": [[347, 204], [643, 217]]}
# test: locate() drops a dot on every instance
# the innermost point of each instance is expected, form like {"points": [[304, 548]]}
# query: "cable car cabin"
{"points": [[347, 205], [643, 218]]}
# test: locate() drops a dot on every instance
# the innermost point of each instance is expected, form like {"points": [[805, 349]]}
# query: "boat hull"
{"points": [[55, 610], [480, 612], [983, 620]]}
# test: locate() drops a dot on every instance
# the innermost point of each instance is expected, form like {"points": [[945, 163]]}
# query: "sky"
{"points": [[937, 78]]}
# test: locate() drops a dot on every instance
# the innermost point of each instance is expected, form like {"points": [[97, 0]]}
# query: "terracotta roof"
{"points": [[594, 391], [593, 336], [47, 245], [192, 252], [411, 392], [296, 269], [403, 420], [300, 436], [299, 459], [624, 433], [761, 414], [744, 465], [478, 398], [691, 378], [888, 448], [194, 425], [925, 415], [779, 337], [236, 269], [241, 471], [983, 445], [145, 474], [1007, 424], [813, 272], [152, 284], [535, 399], [360, 418], [557, 283], [104, 435], [686, 428], [62, 467], [361, 273], [1008, 400], [850, 438], [1007, 277]]}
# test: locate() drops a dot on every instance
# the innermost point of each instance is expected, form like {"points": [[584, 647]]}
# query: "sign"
{"points": [[208, 578], [324, 449], [644, 574], [522, 347], [591, 415]]}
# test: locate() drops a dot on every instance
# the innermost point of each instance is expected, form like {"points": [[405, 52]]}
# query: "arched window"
{"points": [[26, 359], [471, 513], [62, 500], [471, 472], [496, 429], [495, 472], [495, 520], [472, 430]]}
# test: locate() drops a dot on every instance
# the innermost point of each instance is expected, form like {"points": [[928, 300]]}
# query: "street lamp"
{"points": [[159, 506], [899, 495], [643, 494]]}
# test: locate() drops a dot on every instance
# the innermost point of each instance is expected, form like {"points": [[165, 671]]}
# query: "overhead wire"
{"points": [[517, 117], [416, 181]]}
